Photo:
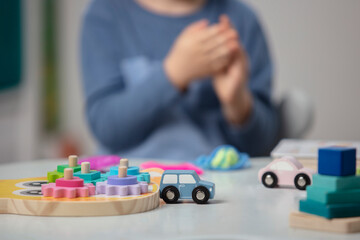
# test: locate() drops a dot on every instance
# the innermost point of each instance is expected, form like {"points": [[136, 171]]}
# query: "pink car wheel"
{"points": [[269, 179], [301, 181]]}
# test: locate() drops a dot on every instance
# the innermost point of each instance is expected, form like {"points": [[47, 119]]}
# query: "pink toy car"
{"points": [[286, 171]]}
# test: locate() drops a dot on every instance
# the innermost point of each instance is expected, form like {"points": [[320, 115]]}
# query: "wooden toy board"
{"points": [[312, 222], [23, 196]]}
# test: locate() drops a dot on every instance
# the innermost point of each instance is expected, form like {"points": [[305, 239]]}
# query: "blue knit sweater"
{"points": [[132, 108]]}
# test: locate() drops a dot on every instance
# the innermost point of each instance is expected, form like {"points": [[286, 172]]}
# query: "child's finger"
{"points": [[225, 21], [199, 25], [210, 32], [219, 40], [224, 51]]}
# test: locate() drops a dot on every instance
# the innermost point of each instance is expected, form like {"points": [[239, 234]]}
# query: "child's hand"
{"points": [[200, 51], [231, 85]]}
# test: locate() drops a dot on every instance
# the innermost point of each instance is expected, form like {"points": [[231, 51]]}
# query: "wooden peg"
{"points": [[85, 167], [122, 172], [68, 173], [73, 160], [124, 162]]}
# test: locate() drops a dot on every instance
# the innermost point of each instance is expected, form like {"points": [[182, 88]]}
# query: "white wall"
{"points": [[72, 102], [315, 44]]}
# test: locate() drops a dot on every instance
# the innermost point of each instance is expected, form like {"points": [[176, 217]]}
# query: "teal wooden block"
{"points": [[334, 183], [331, 210], [326, 196], [92, 175]]}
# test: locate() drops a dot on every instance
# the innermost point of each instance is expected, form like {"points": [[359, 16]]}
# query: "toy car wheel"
{"points": [[200, 195], [269, 179], [170, 194], [301, 181]]}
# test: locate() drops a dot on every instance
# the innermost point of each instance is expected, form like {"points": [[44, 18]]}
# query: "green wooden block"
{"points": [[334, 183], [52, 176], [331, 210], [60, 168], [326, 196], [358, 171]]}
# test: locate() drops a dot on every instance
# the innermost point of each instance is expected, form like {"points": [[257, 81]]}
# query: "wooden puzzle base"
{"points": [[313, 222], [23, 196]]}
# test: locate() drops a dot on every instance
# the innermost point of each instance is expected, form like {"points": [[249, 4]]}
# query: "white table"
{"points": [[242, 209]]}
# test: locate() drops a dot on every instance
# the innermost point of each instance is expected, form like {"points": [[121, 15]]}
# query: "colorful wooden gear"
{"points": [[89, 176], [68, 187], [121, 184], [59, 172], [133, 171]]}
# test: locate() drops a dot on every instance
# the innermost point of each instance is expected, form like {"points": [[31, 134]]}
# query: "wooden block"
{"points": [[335, 183], [337, 161], [330, 210], [73, 160], [85, 167], [312, 222], [122, 172], [124, 162], [326, 196], [68, 173]]}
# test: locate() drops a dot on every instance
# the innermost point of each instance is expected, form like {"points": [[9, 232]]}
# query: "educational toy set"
{"points": [[76, 190], [334, 194]]}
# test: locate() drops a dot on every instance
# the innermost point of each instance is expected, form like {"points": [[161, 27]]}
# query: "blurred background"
{"points": [[314, 44]]}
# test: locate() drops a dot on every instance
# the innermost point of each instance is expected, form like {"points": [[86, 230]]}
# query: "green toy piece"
{"points": [[60, 168], [52, 176], [326, 196], [330, 211], [59, 172], [358, 171], [333, 183]]}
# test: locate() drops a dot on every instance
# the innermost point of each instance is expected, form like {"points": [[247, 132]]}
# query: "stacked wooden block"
{"points": [[335, 192], [333, 199]]}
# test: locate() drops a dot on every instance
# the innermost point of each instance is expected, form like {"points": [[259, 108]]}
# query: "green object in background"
{"points": [[10, 43], [50, 108]]}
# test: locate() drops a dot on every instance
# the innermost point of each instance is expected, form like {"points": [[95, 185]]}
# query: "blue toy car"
{"points": [[185, 184]]}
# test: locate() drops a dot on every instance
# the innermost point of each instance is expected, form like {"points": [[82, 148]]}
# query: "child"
{"points": [[176, 78]]}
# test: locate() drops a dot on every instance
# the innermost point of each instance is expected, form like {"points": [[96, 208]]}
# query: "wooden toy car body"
{"points": [[285, 171], [185, 184]]}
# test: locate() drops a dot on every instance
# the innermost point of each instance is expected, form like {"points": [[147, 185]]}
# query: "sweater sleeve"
{"points": [[260, 133], [119, 114]]}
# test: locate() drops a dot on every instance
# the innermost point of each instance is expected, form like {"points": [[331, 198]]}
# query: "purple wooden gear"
{"points": [[115, 180]]}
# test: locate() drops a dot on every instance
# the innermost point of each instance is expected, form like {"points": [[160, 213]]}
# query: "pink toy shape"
{"points": [[181, 166], [75, 182], [101, 162], [121, 190], [285, 169], [68, 188]]}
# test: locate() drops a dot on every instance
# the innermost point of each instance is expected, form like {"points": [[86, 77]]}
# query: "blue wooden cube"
{"points": [[337, 161]]}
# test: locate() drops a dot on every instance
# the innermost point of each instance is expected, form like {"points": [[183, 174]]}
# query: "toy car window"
{"points": [[186, 178], [170, 179], [282, 166]]}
